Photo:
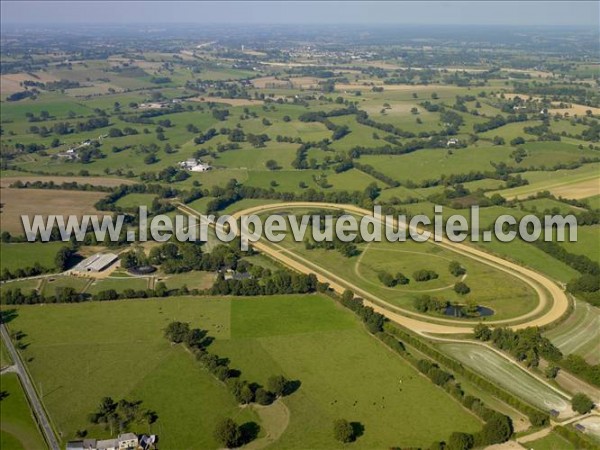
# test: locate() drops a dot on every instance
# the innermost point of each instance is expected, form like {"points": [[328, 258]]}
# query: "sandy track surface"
{"points": [[552, 305]]}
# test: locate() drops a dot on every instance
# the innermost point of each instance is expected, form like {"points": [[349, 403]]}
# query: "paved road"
{"points": [[31, 393]]}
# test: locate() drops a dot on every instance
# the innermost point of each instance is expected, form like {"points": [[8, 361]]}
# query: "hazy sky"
{"points": [[424, 12]]}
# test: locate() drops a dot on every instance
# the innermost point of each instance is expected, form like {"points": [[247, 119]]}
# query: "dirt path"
{"points": [[546, 431], [535, 436], [547, 291], [275, 419]]}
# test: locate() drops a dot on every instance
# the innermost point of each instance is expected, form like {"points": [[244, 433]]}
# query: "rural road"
{"points": [[34, 401], [546, 289]]}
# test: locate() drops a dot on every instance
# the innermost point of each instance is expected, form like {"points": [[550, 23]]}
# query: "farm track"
{"points": [[546, 289]]}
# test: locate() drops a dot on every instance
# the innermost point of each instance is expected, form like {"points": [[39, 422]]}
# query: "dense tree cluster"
{"points": [[456, 269], [64, 186], [498, 121], [197, 341], [390, 280], [426, 303], [461, 288], [278, 282], [529, 345], [526, 345], [368, 169], [118, 416], [22, 95], [23, 272], [62, 295], [425, 275], [581, 403], [343, 431], [373, 320], [587, 286], [347, 249]]}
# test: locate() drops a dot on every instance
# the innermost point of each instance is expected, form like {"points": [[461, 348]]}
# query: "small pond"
{"points": [[457, 311]]}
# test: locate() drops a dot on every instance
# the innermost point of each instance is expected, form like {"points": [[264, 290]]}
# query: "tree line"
{"points": [[245, 392], [528, 345], [497, 428], [536, 417]]}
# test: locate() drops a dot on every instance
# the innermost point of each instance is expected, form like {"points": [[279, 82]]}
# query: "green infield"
{"points": [[306, 338], [17, 425], [507, 296], [200, 204]]}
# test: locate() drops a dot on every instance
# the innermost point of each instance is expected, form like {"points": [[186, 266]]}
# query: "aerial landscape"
{"points": [[433, 170]]}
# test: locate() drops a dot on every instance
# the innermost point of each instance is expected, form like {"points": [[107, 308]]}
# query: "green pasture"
{"points": [[18, 429], [546, 180], [25, 286], [193, 280], [119, 284], [16, 256], [430, 164], [306, 338], [50, 284], [135, 200], [530, 256]]}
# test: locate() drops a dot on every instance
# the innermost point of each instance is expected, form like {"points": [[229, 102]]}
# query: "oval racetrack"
{"points": [[553, 302]]}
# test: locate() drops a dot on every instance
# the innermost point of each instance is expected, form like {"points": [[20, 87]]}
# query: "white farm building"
{"points": [[96, 263], [193, 165]]}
